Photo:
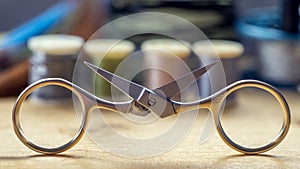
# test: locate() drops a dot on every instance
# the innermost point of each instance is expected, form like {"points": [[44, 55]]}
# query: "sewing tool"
{"points": [[145, 101]]}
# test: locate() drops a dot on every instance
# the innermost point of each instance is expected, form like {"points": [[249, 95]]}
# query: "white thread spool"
{"points": [[228, 52], [53, 55], [279, 61]]}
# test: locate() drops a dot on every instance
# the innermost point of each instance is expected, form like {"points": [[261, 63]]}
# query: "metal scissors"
{"points": [[145, 101]]}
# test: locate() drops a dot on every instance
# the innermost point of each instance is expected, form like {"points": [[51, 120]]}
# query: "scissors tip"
{"points": [[87, 63], [91, 66], [212, 64]]}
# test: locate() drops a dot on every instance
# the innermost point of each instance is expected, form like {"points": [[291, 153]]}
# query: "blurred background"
{"points": [[267, 29]]}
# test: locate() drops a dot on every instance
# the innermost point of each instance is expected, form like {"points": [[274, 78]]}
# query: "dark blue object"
{"points": [[264, 26], [290, 15]]}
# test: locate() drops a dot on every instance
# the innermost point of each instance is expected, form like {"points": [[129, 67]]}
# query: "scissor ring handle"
{"points": [[16, 112], [286, 117]]}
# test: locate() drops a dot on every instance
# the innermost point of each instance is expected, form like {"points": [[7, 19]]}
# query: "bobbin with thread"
{"points": [[107, 54], [275, 35], [53, 55], [167, 59], [229, 53], [279, 62]]}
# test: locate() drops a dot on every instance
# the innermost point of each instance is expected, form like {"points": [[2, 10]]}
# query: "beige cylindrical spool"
{"points": [[53, 55], [228, 52], [167, 57], [107, 54]]}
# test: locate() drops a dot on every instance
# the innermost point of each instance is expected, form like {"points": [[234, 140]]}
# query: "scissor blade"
{"points": [[131, 89], [173, 88]]}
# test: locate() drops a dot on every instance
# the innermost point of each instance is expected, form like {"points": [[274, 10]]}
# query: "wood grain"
{"points": [[187, 154]]}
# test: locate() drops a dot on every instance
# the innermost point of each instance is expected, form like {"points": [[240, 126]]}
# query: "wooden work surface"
{"points": [[187, 154]]}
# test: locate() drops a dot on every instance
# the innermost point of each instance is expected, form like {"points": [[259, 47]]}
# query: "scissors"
{"points": [[144, 101]]}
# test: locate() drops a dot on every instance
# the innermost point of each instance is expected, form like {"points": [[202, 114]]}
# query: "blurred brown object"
{"points": [[14, 79], [90, 16]]}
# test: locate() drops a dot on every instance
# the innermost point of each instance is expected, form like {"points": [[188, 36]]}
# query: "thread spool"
{"points": [[107, 54], [53, 56], [280, 61], [275, 36], [168, 59], [228, 52]]}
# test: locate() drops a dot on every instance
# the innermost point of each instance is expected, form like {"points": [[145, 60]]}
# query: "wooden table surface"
{"points": [[189, 153]]}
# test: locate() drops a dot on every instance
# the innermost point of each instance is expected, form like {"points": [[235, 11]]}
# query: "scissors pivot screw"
{"points": [[151, 102]]}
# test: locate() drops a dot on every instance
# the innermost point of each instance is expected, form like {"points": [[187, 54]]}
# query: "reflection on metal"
{"points": [[141, 97]]}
